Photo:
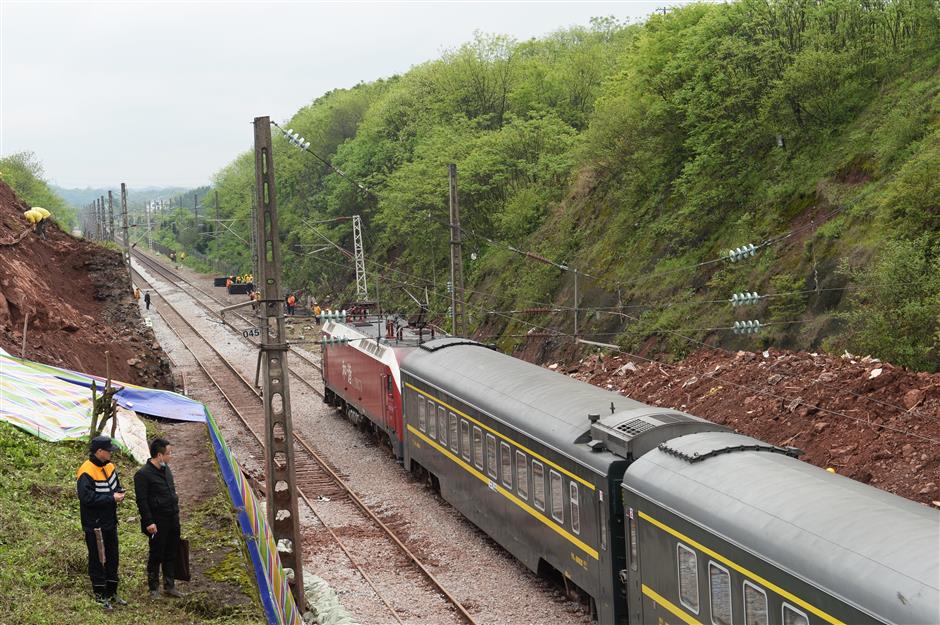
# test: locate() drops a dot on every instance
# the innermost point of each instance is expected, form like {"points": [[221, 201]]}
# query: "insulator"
{"points": [[306, 145]]}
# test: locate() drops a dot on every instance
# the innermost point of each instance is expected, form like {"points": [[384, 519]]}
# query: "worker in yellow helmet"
{"points": [[38, 217]]}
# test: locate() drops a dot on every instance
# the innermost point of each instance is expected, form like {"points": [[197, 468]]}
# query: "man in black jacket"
{"points": [[99, 492], [159, 517]]}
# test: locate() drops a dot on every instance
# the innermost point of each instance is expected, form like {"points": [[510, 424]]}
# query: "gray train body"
{"points": [[723, 530], [517, 426], [512, 447]]}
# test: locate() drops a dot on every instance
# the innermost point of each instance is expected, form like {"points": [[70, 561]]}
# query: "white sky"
{"points": [[164, 93]]}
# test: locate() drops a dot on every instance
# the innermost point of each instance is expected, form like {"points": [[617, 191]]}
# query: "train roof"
{"points": [[548, 406], [867, 546]]}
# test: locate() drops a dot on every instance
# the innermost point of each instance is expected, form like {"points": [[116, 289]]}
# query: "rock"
{"points": [[827, 376], [882, 455], [629, 367], [907, 450], [690, 382], [874, 373], [553, 366], [806, 410], [926, 490], [912, 398], [132, 362], [793, 405], [819, 426], [841, 451], [774, 379]]}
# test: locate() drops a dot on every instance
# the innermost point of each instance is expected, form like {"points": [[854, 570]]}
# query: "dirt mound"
{"points": [[78, 299], [871, 421]]}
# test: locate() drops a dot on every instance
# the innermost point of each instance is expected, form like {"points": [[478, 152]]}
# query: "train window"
{"points": [[755, 605], [432, 421], [453, 432], [491, 455], [538, 485], [422, 416], [575, 508], [465, 439], [719, 583], [792, 616], [558, 501], [522, 475], [478, 447], [442, 425], [688, 577], [505, 457]]}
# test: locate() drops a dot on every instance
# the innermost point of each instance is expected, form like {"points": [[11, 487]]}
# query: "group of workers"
{"points": [[100, 492], [245, 278], [38, 217]]}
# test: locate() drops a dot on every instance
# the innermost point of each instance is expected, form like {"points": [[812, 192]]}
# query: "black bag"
{"points": [[182, 561]]}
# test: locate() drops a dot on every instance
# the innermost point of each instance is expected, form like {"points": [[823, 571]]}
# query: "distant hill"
{"points": [[80, 197]]}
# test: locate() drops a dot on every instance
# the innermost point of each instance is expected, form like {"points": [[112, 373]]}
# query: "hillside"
{"points": [[639, 154], [81, 316], [78, 300]]}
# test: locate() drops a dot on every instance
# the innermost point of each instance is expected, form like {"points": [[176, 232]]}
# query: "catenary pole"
{"points": [[127, 238], [458, 321], [278, 432]]}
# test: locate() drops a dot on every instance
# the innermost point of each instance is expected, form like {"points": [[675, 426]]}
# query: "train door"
{"points": [[388, 402], [631, 576]]}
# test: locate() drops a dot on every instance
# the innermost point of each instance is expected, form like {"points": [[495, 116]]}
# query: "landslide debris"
{"points": [[868, 420], [79, 303]]}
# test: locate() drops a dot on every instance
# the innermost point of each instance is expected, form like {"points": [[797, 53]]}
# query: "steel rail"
{"points": [[173, 276], [317, 457], [176, 277]]}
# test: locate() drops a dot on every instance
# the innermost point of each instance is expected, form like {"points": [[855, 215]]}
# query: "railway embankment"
{"points": [[866, 419]]}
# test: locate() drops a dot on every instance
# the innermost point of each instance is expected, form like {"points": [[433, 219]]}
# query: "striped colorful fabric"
{"points": [[55, 404], [41, 403], [276, 597]]}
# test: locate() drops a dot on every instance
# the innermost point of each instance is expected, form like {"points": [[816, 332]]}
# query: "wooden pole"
{"points": [[25, 326]]}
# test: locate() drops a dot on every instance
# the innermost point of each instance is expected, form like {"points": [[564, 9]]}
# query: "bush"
{"points": [[896, 314]]}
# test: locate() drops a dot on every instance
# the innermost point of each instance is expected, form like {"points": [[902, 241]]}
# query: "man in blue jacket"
{"points": [[99, 493], [159, 510]]}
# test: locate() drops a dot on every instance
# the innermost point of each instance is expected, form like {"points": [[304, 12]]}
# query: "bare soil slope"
{"points": [[871, 421], [78, 299]]}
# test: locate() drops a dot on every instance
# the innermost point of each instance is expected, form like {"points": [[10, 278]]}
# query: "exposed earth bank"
{"points": [[869, 420], [79, 302]]}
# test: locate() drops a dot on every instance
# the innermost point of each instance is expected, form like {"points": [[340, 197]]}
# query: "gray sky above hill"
{"points": [[164, 93]]}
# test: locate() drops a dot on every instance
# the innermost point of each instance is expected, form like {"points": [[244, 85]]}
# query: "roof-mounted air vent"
{"points": [[632, 433]]}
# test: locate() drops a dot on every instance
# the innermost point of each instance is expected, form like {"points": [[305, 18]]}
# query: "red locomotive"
{"points": [[361, 355]]}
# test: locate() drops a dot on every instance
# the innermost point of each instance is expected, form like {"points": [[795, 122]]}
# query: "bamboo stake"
{"points": [[23, 347]]}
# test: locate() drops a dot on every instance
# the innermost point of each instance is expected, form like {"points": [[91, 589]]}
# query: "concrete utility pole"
{"points": [[127, 238], [280, 484], [362, 290], [458, 320], [99, 219], [110, 216], [195, 211]]}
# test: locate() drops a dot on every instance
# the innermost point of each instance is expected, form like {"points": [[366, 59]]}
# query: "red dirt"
{"points": [[79, 303], [882, 430]]}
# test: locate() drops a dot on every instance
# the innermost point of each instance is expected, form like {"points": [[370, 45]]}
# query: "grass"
{"points": [[44, 580]]}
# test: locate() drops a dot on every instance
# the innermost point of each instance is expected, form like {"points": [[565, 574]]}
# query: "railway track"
{"points": [[246, 322], [319, 485]]}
